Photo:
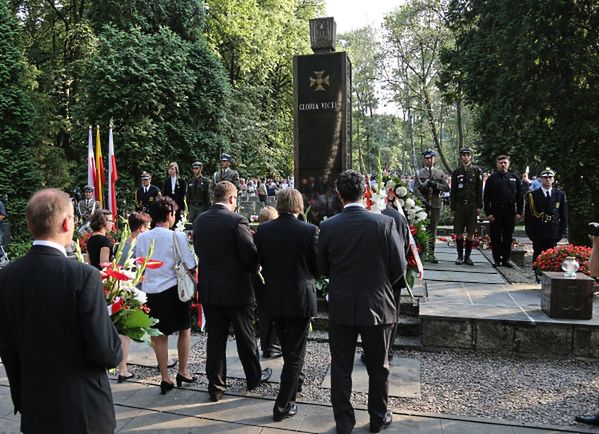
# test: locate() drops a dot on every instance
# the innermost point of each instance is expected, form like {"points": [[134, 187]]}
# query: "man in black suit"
{"points": [[362, 253], [52, 307], [227, 258], [545, 215], [287, 251], [146, 194]]}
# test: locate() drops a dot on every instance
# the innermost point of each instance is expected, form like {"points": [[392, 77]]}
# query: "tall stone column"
{"points": [[322, 117]]}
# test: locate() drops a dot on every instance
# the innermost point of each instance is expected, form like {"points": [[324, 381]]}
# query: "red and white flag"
{"points": [[100, 177], [91, 162], [112, 177]]}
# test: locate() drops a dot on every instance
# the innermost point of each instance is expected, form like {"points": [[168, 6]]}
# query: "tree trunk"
{"points": [[460, 123], [431, 122]]}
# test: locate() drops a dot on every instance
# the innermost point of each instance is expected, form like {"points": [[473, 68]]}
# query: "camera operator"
{"points": [[593, 232]]}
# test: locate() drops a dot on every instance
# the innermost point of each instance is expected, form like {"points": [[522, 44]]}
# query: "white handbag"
{"points": [[186, 282]]}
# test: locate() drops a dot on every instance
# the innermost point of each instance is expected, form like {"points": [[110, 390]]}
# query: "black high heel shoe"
{"points": [[181, 379], [165, 386]]}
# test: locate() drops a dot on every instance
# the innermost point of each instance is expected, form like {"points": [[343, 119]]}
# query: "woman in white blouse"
{"points": [[161, 287]]}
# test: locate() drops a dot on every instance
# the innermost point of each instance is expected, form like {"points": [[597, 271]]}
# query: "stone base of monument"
{"points": [[567, 298]]}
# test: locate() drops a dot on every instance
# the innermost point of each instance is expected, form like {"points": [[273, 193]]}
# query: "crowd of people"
{"points": [[238, 268]]}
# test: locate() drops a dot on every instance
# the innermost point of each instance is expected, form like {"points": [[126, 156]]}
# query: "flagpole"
{"points": [[100, 169]]}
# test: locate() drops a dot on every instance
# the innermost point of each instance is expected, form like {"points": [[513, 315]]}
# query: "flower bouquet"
{"points": [[126, 304], [551, 259]]}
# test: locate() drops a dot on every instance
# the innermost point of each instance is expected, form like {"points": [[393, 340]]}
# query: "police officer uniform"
{"points": [[545, 216], [502, 199], [198, 194], [227, 174], [430, 182], [466, 199], [86, 207], [145, 196]]}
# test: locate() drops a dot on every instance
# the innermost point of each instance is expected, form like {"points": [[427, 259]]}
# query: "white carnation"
{"points": [[410, 203], [421, 216], [390, 184], [140, 296], [401, 191], [401, 202]]}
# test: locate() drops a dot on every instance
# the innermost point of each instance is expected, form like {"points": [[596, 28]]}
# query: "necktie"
{"points": [[145, 190], [547, 195]]}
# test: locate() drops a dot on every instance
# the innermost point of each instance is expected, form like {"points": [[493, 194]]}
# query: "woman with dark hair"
{"points": [[99, 246], [139, 222], [175, 188], [160, 285]]}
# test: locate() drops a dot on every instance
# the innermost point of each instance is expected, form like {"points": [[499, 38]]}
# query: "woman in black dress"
{"points": [[99, 246]]}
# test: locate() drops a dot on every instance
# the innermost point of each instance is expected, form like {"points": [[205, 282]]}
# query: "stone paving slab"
{"points": [[253, 415], [404, 377], [463, 276], [478, 267], [235, 369], [452, 256]]}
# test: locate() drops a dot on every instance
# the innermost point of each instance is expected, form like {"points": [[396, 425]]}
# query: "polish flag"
{"points": [[112, 177], [91, 163]]}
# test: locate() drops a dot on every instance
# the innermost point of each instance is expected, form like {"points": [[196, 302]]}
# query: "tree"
{"points": [[163, 89], [19, 175], [531, 70], [415, 35]]}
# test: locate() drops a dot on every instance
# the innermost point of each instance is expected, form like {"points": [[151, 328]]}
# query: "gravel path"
{"points": [[535, 391]]}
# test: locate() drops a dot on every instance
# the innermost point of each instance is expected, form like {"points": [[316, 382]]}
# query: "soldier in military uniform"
{"points": [[224, 174], [86, 207], [146, 194], [545, 214], [198, 192], [466, 202], [430, 182], [502, 200]]}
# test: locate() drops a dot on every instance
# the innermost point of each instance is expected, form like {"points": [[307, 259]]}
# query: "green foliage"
{"points": [[164, 95], [531, 69], [19, 176]]}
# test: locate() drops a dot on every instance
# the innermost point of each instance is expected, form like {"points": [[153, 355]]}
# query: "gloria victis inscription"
{"points": [[330, 105]]}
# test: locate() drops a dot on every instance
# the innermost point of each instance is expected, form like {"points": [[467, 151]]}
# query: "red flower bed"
{"points": [[551, 259]]}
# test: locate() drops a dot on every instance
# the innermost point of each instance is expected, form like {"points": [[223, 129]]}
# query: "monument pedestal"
{"points": [[567, 298]]}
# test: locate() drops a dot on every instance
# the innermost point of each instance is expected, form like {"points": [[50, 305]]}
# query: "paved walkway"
{"points": [[139, 407]]}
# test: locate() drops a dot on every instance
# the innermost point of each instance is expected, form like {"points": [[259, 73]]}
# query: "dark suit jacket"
{"points": [[287, 252], [361, 252], [227, 257], [179, 195], [551, 222], [56, 341], [143, 201]]}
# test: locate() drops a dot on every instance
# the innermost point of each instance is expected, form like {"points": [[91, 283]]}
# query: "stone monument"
{"points": [[322, 120]]}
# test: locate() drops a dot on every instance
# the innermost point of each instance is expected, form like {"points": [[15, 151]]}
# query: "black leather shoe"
{"points": [[181, 379], [433, 260], [589, 420], [264, 377], [278, 415], [215, 396], [508, 264], [165, 386], [468, 261], [379, 426], [459, 261], [123, 378]]}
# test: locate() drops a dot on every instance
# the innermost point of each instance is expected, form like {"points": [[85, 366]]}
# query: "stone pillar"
{"points": [[322, 120]]}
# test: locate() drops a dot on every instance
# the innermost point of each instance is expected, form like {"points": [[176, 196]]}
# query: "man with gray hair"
{"points": [[54, 306]]}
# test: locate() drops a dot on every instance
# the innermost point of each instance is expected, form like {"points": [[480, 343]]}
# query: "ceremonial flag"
{"points": [[112, 177], [100, 178], [91, 164]]}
